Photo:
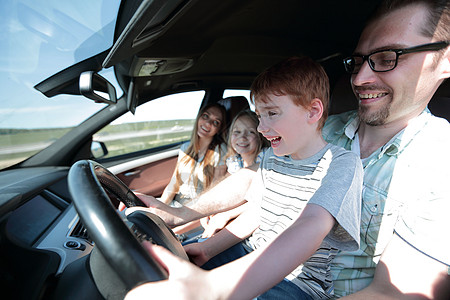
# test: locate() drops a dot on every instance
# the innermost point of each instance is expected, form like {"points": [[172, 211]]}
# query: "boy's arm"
{"points": [[225, 195], [405, 273], [250, 275], [265, 267], [242, 227]]}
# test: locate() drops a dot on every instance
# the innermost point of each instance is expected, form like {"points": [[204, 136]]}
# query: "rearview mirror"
{"points": [[97, 88]]}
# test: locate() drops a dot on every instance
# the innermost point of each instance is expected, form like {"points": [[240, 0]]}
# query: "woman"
{"points": [[200, 161]]}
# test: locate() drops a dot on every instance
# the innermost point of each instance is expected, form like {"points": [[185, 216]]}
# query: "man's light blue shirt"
{"points": [[406, 190]]}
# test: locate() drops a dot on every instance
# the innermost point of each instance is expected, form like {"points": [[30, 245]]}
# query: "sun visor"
{"points": [[149, 21]]}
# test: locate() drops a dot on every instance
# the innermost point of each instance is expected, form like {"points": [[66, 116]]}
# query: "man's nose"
{"points": [[365, 75]]}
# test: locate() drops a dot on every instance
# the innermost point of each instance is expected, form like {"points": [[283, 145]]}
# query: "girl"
{"points": [[200, 161], [246, 147], [246, 144]]}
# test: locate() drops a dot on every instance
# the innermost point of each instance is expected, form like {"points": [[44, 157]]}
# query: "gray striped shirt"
{"points": [[332, 178]]}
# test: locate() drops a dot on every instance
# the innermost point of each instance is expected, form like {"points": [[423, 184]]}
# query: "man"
{"points": [[406, 194], [404, 150]]}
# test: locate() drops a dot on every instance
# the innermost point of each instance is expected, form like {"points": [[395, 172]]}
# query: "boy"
{"points": [[303, 205]]}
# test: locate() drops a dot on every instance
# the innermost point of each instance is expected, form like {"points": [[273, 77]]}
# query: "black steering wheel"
{"points": [[112, 237]]}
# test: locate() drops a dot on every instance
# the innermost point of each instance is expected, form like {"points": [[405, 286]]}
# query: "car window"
{"points": [[245, 93], [163, 121]]}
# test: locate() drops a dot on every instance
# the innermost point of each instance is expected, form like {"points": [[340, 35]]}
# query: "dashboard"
{"points": [[40, 232]]}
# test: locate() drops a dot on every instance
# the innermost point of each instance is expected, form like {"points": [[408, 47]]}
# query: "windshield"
{"points": [[40, 38]]}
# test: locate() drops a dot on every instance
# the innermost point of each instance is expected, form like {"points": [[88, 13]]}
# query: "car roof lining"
{"points": [[229, 42]]}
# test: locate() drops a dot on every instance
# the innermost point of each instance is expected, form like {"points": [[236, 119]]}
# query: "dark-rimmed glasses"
{"points": [[386, 60]]}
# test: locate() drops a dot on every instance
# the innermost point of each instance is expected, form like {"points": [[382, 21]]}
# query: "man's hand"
{"points": [[186, 281], [171, 215], [148, 200], [197, 253], [214, 224]]}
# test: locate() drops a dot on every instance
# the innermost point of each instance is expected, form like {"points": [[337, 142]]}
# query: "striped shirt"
{"points": [[406, 190], [332, 178]]}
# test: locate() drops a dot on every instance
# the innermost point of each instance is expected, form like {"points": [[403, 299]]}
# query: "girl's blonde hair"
{"points": [[262, 142], [191, 158]]}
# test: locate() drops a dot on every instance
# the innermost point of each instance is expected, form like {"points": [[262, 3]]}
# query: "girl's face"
{"points": [[244, 136], [209, 122]]}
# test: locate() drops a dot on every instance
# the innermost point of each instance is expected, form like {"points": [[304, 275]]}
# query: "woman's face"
{"points": [[209, 122], [244, 136]]}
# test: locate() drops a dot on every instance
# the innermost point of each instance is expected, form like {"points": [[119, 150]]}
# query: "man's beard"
{"points": [[376, 118]]}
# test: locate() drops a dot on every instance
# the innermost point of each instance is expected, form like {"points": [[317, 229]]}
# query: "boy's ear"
{"points": [[315, 110]]}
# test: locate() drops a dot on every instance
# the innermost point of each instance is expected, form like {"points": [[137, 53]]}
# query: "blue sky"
{"points": [[40, 38]]}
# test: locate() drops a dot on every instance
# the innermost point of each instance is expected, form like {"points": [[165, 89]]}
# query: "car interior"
{"points": [[61, 236]]}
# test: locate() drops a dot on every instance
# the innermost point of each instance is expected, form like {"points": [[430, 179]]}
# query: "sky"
{"points": [[42, 37], [38, 39]]}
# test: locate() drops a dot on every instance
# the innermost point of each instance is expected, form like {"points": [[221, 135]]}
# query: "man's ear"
{"points": [[446, 65], [315, 110]]}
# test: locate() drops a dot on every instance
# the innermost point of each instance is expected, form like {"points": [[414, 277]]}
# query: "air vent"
{"points": [[81, 232]]}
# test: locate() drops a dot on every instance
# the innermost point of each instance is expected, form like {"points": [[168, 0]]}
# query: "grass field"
{"points": [[19, 144]]}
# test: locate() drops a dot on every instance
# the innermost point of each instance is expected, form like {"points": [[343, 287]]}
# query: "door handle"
{"points": [[132, 173]]}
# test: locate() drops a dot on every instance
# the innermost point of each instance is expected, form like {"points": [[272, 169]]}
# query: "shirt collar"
{"points": [[398, 143], [352, 125]]}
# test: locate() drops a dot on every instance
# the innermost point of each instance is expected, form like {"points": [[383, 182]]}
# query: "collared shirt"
{"points": [[406, 190]]}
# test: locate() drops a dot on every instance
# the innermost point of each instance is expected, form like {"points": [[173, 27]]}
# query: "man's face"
{"points": [[401, 94]]}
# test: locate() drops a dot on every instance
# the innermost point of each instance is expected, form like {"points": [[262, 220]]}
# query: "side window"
{"points": [[245, 93], [159, 122]]}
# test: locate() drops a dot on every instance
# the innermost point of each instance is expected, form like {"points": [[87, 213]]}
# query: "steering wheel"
{"points": [[116, 242]]}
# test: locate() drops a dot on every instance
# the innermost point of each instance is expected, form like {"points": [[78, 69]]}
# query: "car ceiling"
{"points": [[220, 43]]}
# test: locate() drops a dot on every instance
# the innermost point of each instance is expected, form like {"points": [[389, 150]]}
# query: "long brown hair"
{"points": [[192, 152]]}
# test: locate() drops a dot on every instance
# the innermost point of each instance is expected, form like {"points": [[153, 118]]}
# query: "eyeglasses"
{"points": [[386, 60]]}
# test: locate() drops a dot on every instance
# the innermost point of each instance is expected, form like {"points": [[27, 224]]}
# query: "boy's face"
{"points": [[285, 125]]}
